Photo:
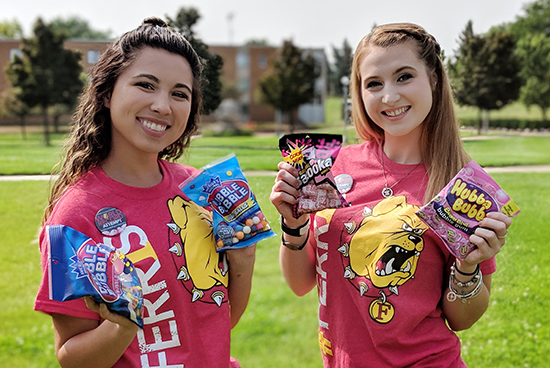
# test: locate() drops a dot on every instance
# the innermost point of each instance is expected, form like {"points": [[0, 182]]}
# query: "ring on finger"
{"points": [[502, 236]]}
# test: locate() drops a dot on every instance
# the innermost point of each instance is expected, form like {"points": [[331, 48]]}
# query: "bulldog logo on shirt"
{"points": [[200, 268], [384, 248]]}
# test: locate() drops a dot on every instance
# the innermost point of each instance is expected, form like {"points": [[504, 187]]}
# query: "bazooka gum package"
{"points": [[238, 221], [313, 155], [454, 214], [81, 267]]}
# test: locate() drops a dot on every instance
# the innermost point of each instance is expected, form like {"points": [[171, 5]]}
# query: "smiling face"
{"points": [[396, 89], [150, 103]]}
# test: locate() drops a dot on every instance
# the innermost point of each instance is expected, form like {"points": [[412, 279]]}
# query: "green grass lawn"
{"points": [[279, 328]]}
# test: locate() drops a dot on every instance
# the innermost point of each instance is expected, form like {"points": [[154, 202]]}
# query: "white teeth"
{"points": [[407, 268], [389, 268], [397, 112], [153, 126]]}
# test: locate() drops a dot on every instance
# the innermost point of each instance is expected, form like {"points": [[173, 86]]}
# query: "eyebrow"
{"points": [[156, 80]]}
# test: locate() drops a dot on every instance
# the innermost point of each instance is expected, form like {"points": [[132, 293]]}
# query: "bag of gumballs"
{"points": [[238, 221]]}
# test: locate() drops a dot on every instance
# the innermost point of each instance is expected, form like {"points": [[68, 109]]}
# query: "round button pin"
{"points": [[344, 183], [110, 221]]}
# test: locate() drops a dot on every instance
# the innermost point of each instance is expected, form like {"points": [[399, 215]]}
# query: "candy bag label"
{"points": [[237, 218], [454, 214], [313, 155], [81, 267]]}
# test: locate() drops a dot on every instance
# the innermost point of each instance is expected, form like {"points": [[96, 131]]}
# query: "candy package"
{"points": [[313, 155], [454, 214], [238, 221], [81, 267]]}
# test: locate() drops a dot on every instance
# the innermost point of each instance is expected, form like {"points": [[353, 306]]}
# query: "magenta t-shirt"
{"points": [[170, 241], [381, 272]]}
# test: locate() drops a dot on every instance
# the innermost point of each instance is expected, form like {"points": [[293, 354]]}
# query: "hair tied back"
{"points": [[154, 22]]}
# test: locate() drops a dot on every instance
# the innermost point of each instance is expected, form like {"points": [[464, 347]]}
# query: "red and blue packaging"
{"points": [[221, 186], [80, 267]]}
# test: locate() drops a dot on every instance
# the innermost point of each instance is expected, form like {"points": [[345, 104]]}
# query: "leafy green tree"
{"points": [[11, 29], [211, 84], [76, 27], [535, 53], [47, 74], [536, 20], [485, 71], [291, 82], [10, 105], [341, 67]]}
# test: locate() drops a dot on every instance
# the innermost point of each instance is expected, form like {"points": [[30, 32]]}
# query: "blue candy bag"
{"points": [[238, 221], [81, 267]]}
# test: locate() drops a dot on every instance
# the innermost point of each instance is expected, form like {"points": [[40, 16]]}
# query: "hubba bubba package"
{"points": [[454, 214], [81, 267], [313, 155], [221, 186]]}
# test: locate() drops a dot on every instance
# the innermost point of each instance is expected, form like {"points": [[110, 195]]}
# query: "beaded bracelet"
{"points": [[465, 297]]}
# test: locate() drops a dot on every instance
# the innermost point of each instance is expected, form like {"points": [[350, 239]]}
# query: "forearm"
{"points": [[298, 266], [461, 314], [241, 269], [100, 347]]}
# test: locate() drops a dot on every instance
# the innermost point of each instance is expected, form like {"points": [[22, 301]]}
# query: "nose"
{"points": [[161, 104], [391, 96]]}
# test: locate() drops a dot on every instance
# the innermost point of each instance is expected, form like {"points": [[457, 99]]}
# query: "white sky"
{"points": [[309, 23]]}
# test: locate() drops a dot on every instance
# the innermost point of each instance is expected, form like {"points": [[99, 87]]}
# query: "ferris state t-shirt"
{"points": [[381, 272], [169, 240]]}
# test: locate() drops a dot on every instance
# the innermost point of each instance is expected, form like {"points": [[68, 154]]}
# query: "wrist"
{"points": [[295, 228]]}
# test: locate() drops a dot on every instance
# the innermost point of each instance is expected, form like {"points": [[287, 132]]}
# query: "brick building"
{"points": [[243, 68]]}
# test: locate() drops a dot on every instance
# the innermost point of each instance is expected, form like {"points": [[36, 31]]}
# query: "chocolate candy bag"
{"points": [[454, 214], [81, 267], [238, 221], [313, 155]]}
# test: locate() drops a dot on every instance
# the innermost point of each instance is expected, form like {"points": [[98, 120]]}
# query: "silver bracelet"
{"points": [[453, 293]]}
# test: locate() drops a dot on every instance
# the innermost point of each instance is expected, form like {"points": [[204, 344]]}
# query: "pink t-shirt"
{"points": [[381, 272], [170, 241]]}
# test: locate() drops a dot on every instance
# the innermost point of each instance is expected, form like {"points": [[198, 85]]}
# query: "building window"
{"points": [[242, 59], [262, 61], [93, 56], [14, 52]]}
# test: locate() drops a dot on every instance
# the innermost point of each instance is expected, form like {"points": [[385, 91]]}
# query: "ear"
{"points": [[107, 102]]}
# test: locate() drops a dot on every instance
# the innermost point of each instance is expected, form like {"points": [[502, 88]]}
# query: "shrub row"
{"points": [[515, 124]]}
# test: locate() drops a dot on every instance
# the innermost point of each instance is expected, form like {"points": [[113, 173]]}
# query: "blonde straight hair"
{"points": [[441, 148]]}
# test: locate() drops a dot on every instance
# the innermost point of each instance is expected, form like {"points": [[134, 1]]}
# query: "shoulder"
{"points": [[178, 169]]}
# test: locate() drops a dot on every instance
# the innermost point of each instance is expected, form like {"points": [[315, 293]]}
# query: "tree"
{"points": [[211, 83], [47, 74], [485, 72], [11, 29], [535, 53], [291, 82], [535, 20], [76, 27], [10, 105], [342, 66]]}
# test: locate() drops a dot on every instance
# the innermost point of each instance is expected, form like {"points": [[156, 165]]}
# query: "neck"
{"points": [[143, 173], [402, 150]]}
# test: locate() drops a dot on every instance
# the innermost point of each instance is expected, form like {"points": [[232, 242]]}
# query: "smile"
{"points": [[154, 126], [397, 112]]}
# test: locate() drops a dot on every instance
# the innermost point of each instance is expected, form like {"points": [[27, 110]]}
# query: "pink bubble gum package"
{"points": [[313, 155], [454, 214]]}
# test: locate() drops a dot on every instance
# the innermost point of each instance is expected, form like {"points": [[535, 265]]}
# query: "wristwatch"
{"points": [[299, 231]]}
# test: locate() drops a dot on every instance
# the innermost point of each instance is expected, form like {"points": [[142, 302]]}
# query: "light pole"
{"points": [[345, 83]]}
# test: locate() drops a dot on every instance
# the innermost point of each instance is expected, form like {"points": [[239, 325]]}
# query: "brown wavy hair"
{"points": [[441, 148], [89, 142]]}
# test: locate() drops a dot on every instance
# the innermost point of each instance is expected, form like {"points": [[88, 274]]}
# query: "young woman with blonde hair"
{"points": [[387, 285]]}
